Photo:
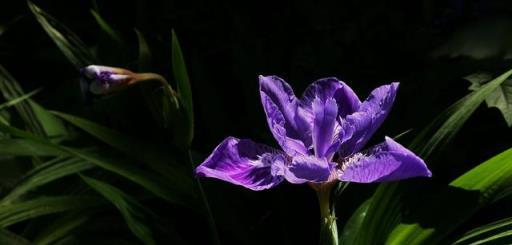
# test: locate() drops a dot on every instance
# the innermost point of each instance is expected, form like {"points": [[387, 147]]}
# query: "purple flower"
{"points": [[322, 136]]}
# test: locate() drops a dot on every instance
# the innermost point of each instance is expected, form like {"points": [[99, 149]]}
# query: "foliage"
{"points": [[118, 170]]}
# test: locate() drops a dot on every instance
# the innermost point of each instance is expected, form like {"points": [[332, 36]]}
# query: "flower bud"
{"points": [[101, 80]]}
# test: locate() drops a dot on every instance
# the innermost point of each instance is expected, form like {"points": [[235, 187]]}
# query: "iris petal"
{"points": [[328, 88], [244, 162], [288, 124], [369, 117], [324, 124], [388, 161], [304, 169]]}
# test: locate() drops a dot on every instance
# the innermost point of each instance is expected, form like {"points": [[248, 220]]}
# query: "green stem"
{"points": [[211, 220], [328, 227], [166, 86]]}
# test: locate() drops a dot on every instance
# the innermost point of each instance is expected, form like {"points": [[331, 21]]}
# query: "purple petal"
{"points": [[244, 162], [369, 117], [325, 113], [304, 169], [331, 87], [388, 161], [287, 121]]}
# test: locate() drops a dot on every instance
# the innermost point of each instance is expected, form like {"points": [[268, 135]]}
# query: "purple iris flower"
{"points": [[322, 135]]}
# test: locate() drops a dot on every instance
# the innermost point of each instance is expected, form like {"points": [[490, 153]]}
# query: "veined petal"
{"points": [[324, 113], [304, 169], [287, 122], [369, 117], [388, 161], [244, 162], [331, 87]]}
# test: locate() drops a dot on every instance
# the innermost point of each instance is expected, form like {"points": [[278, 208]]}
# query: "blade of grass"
{"points": [[18, 99], [69, 43], [145, 152], [483, 233], [44, 174], [151, 182], [385, 210], [7, 237], [130, 209], [62, 227], [18, 212], [179, 70]]}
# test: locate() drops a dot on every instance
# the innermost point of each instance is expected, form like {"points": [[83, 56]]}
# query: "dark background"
{"points": [[428, 46]]}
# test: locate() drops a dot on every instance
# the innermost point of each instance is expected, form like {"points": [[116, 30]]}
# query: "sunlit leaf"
{"points": [[457, 203], [500, 98], [454, 117], [488, 234], [386, 207]]}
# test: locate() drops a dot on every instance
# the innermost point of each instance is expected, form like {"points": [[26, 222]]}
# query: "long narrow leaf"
{"points": [[18, 212], [129, 208], [62, 227], [7, 237], [183, 85], [44, 174], [149, 181], [69, 43], [174, 172], [385, 210], [487, 232], [463, 198]]}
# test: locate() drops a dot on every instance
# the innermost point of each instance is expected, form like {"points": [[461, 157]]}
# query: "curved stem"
{"points": [[211, 220], [166, 86]]}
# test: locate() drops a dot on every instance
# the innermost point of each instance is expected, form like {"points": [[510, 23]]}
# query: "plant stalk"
{"points": [[328, 227]]}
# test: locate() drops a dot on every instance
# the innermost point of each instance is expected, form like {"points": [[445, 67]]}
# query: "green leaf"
{"points": [[7, 237], [129, 208], [183, 85], [457, 203], [69, 43], [38, 119], [11, 90], [386, 207], [21, 211], [18, 100], [487, 233], [176, 175], [107, 28], [454, 117], [349, 233], [45, 173], [62, 227], [500, 98], [144, 58], [23, 147], [151, 182]]}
